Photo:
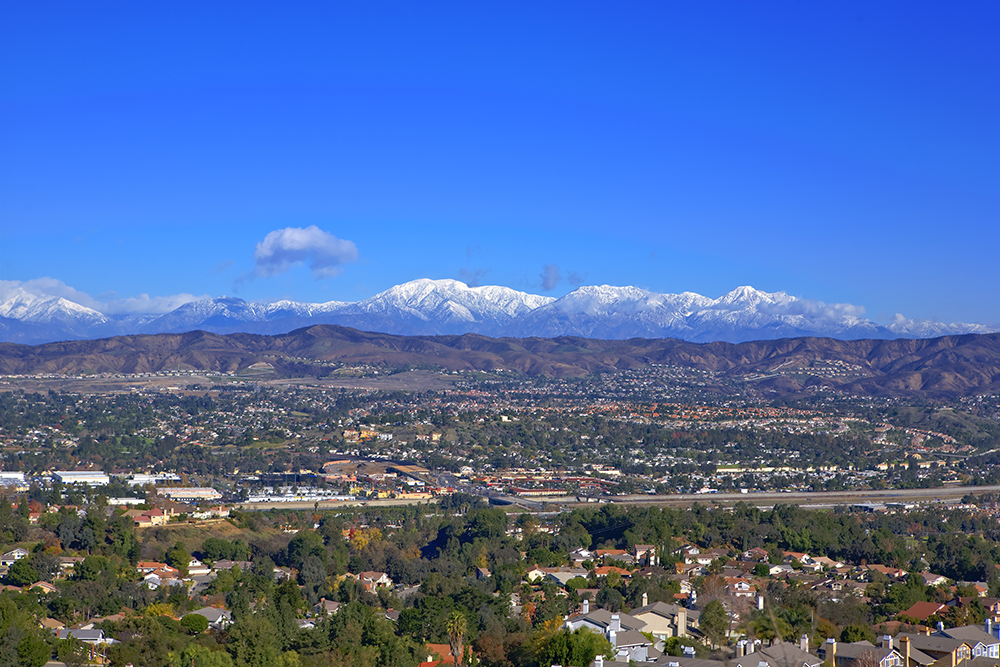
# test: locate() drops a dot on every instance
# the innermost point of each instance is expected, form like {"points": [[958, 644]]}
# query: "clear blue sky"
{"points": [[847, 152]]}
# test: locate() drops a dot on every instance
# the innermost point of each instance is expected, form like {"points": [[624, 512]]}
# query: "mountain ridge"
{"points": [[440, 307], [944, 367]]}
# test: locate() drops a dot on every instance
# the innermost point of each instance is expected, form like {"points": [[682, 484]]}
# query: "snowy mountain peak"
{"points": [[746, 296], [439, 307], [456, 297], [28, 307]]}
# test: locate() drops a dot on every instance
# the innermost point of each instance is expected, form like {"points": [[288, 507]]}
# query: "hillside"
{"points": [[939, 367]]}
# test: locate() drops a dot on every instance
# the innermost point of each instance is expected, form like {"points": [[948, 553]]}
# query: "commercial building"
{"points": [[156, 478], [88, 477], [190, 494]]}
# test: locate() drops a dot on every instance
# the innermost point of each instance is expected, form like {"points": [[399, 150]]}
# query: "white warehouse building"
{"points": [[189, 494], [88, 477]]}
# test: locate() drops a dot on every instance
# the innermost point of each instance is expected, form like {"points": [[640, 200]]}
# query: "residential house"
{"points": [[787, 654], [219, 619], [227, 564], [632, 646], [740, 588], [667, 620], [603, 621], [755, 555], [51, 624], [938, 646], [92, 637], [373, 580], [146, 566], [796, 557], [645, 555], [605, 570], [69, 562], [982, 641], [844, 655], [326, 607], [921, 611], [197, 569], [44, 586], [13, 556], [932, 579], [893, 573]]}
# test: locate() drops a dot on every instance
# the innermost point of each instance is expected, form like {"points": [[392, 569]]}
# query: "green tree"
{"points": [[201, 656], [194, 623], [254, 642], [857, 633], [178, 557], [578, 647], [22, 642], [714, 622], [22, 574]]}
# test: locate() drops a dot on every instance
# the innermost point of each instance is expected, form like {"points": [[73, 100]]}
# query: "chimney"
{"points": [[831, 651], [586, 606], [645, 599], [763, 663], [613, 639], [940, 626], [682, 622], [616, 623], [741, 648], [599, 661], [804, 643], [988, 626], [904, 647], [886, 641], [688, 651], [760, 603]]}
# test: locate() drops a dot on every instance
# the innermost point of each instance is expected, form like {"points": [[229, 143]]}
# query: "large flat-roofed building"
{"points": [[88, 477], [14, 480], [156, 478], [189, 494]]}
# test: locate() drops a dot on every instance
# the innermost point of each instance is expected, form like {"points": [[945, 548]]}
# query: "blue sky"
{"points": [[845, 152]]}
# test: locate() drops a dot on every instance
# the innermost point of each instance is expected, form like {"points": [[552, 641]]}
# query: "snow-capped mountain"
{"points": [[430, 307], [441, 307], [612, 312], [742, 314], [30, 318], [27, 307]]}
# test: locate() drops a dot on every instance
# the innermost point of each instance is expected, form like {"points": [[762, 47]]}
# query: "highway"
{"points": [[808, 500], [816, 499]]}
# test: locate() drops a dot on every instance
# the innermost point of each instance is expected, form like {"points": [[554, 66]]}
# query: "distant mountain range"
{"points": [[449, 307], [944, 367]]}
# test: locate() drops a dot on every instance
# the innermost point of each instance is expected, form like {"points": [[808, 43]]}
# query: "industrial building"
{"points": [[190, 494], [88, 477]]}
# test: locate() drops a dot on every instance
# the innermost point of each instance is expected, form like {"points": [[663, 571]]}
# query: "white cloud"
{"points": [[145, 304], [49, 287], [111, 304], [815, 310], [284, 248]]}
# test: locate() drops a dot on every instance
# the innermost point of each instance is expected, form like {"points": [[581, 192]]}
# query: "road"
{"points": [[812, 500], [815, 499]]}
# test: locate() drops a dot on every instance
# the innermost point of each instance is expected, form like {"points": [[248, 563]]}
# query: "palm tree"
{"points": [[457, 627]]}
